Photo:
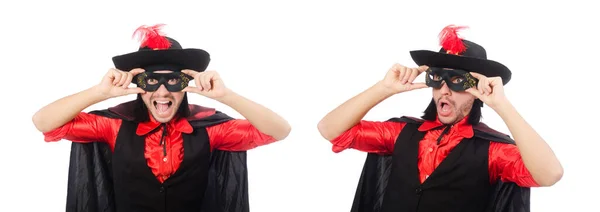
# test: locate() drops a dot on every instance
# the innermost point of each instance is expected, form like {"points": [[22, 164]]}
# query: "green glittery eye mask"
{"points": [[456, 79], [174, 81]]}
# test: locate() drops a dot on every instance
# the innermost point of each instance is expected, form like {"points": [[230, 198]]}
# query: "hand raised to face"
{"points": [[489, 90], [207, 83], [116, 83], [400, 78]]}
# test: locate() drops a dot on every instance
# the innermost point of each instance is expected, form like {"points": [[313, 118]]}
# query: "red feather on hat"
{"points": [[152, 37], [450, 41]]}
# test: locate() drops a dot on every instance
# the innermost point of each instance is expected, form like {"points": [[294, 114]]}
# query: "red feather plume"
{"points": [[152, 37], [450, 41]]}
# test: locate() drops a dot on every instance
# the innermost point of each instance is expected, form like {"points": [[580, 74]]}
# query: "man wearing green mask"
{"points": [[159, 153], [446, 160]]}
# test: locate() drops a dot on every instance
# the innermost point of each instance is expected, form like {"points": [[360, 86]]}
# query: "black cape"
{"points": [[507, 197], [90, 187]]}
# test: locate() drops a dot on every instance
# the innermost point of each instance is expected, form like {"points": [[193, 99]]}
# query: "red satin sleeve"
{"points": [[507, 165], [86, 128], [369, 136], [237, 135]]}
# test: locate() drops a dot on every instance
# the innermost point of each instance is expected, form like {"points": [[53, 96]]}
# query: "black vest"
{"points": [[136, 187], [460, 183]]}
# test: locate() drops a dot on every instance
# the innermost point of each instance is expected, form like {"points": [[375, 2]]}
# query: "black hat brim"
{"points": [[194, 59], [489, 68]]}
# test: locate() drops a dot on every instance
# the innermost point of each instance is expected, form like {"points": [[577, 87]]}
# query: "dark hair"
{"points": [[141, 111], [430, 114]]}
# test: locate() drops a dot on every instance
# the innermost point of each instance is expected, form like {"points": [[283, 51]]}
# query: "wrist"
{"points": [[383, 91], [97, 93], [228, 97], [503, 108]]}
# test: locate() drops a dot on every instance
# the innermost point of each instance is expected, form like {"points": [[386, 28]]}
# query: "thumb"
{"points": [[135, 90], [418, 85]]}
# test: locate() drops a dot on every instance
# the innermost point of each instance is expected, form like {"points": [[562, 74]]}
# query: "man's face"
{"points": [[162, 104], [452, 106]]}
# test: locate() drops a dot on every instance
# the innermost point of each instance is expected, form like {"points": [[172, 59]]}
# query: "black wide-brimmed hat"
{"points": [[158, 49], [458, 53]]}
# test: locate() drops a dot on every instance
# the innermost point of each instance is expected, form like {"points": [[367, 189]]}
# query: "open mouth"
{"points": [[162, 106], [444, 106]]}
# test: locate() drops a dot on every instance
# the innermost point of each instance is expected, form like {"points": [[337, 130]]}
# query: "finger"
{"points": [[110, 73], [116, 77], [137, 71], [474, 92], [414, 75], [480, 86], [487, 87], [494, 81], [395, 70], [397, 67], [198, 83], [206, 81], [114, 70], [124, 76], [191, 89], [422, 68], [478, 75], [128, 80], [409, 73], [190, 72], [109, 76], [402, 74], [198, 80]]}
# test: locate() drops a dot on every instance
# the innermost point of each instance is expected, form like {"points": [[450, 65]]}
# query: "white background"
{"points": [[301, 59]]}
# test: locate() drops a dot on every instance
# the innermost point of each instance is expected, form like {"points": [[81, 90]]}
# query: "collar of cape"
{"points": [[182, 124], [465, 129]]}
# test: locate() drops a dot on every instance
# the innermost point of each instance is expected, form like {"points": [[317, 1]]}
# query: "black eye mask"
{"points": [[456, 79], [174, 82]]}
